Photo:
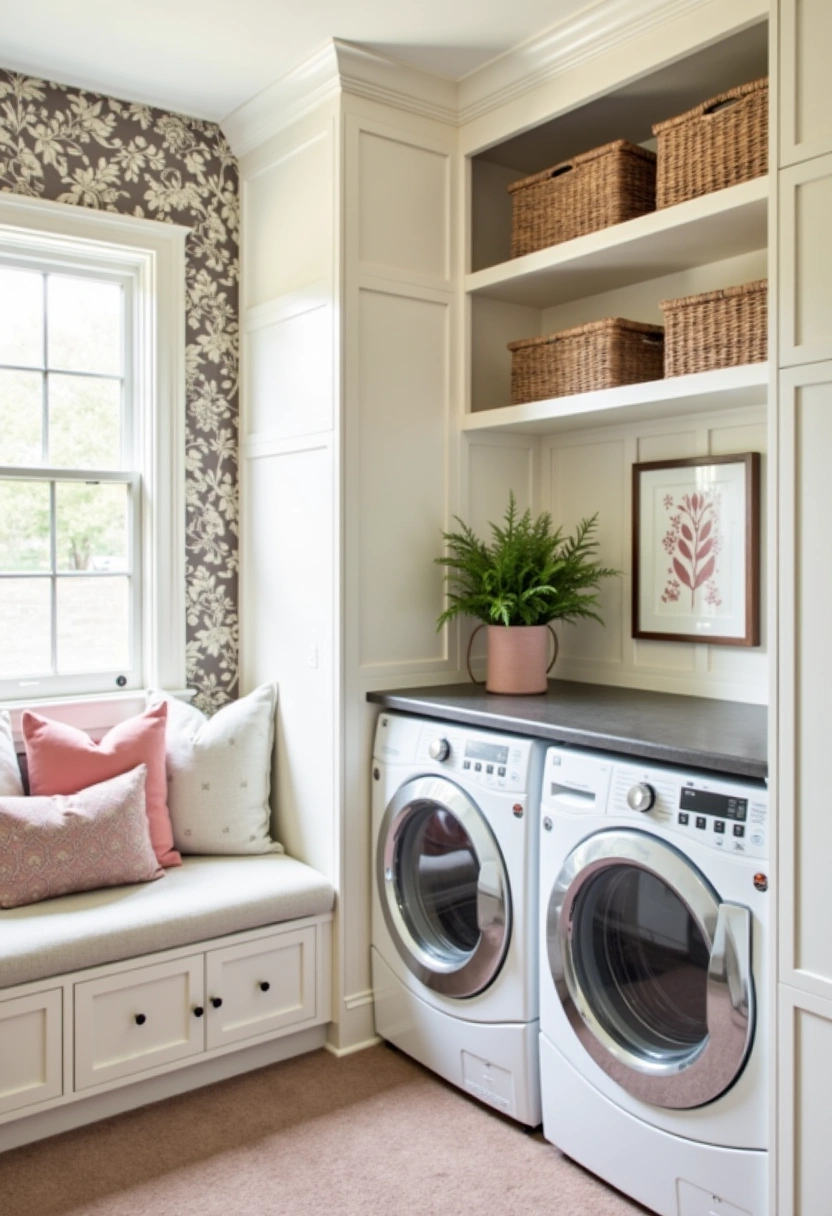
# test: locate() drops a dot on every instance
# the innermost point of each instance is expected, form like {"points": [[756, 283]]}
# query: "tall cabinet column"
{"points": [[804, 325]]}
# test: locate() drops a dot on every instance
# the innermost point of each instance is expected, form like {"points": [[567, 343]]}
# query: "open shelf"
{"points": [[702, 393], [708, 229]]}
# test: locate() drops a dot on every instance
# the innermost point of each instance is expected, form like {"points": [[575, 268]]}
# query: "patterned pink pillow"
{"points": [[64, 760], [98, 837]]}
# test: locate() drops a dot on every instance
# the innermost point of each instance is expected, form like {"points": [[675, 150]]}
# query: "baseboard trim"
{"points": [[78, 1113], [339, 1052]]}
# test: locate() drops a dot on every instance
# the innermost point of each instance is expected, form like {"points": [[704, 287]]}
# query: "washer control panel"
{"points": [[498, 762], [721, 812]]}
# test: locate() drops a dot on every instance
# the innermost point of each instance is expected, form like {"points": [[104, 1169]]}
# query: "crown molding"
{"points": [[347, 67], [283, 102], [366, 73], [587, 33]]}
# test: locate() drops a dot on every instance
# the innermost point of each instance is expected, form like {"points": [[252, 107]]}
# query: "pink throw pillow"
{"points": [[99, 837], [64, 760]]}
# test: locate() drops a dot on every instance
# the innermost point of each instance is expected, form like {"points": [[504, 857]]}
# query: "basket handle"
{"points": [[474, 680], [725, 104], [652, 339], [559, 170]]}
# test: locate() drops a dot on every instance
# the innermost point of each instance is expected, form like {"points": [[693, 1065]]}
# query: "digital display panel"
{"points": [[491, 752], [704, 802]]}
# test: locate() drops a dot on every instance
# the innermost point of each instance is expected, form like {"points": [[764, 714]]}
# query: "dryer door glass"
{"points": [[652, 969], [444, 888]]}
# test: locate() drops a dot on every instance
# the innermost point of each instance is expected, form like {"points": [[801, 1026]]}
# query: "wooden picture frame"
{"points": [[696, 550]]}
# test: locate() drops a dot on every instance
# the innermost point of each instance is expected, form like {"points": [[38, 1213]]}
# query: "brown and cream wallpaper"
{"points": [[86, 150]]}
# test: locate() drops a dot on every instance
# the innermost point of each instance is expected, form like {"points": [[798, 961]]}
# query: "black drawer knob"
{"points": [[140, 1019], [264, 985], [216, 1001], [198, 1011]]}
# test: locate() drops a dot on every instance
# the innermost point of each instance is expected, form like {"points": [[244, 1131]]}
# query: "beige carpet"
{"points": [[371, 1133]]}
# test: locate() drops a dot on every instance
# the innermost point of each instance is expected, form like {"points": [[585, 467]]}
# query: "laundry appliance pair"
{"points": [[581, 938]]}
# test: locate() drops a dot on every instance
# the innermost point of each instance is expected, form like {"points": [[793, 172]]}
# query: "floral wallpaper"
{"points": [[86, 150]]}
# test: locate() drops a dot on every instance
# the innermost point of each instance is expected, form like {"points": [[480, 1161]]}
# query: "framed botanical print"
{"points": [[696, 550]]}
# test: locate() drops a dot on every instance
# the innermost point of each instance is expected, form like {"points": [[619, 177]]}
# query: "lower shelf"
{"points": [[702, 393]]}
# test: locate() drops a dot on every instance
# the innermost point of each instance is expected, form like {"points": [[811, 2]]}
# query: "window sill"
{"points": [[95, 713]]}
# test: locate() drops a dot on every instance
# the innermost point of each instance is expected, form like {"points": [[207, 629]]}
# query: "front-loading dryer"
{"points": [[455, 892], [654, 1010]]}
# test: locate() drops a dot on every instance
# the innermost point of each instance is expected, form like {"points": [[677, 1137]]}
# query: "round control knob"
{"points": [[439, 749], [641, 797]]}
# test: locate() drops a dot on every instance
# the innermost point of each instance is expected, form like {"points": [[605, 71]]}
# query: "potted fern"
{"points": [[526, 577]]}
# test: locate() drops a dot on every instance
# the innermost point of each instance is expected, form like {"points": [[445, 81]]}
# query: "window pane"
{"points": [[25, 634], [93, 624], [84, 325], [21, 417], [84, 423], [24, 526], [91, 524], [21, 317]]}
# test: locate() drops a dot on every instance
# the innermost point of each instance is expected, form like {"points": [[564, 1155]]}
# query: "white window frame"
{"points": [[152, 256]]}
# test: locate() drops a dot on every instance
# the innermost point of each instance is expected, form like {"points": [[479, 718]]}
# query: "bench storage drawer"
{"points": [[31, 1054], [264, 986], [138, 1019]]}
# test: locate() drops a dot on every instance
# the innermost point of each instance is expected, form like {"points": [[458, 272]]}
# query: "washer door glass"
{"points": [[444, 888], [652, 968]]}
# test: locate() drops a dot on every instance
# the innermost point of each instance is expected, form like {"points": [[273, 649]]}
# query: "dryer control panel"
{"points": [[723, 813]]}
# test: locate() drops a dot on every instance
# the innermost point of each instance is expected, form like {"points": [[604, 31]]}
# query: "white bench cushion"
{"points": [[204, 898]]}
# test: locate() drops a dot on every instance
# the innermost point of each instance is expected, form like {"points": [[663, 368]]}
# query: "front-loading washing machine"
{"points": [[654, 1010], [454, 918]]}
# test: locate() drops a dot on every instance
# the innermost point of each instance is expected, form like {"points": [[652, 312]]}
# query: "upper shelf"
{"points": [[703, 392], [708, 229]]}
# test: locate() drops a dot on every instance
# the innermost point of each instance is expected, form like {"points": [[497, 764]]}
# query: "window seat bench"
{"points": [[113, 998]]}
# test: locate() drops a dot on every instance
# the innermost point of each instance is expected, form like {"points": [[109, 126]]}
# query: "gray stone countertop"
{"points": [[696, 732]]}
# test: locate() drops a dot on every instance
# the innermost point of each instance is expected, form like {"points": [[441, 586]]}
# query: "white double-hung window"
{"points": [[91, 452]]}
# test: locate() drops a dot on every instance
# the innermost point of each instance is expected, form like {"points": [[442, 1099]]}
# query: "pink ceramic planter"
{"points": [[518, 658]]}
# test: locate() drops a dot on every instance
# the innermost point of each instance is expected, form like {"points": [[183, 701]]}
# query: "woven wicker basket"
{"points": [[606, 186], [602, 354], [720, 143], [717, 329]]}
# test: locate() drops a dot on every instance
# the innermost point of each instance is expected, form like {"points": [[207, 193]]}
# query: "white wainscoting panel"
{"points": [[287, 219], [401, 481], [288, 607], [591, 471], [404, 212], [289, 375]]}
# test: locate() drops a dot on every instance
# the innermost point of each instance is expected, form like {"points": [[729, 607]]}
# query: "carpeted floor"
{"points": [[371, 1133]]}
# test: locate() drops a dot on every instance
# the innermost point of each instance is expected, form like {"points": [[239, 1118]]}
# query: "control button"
{"points": [[684, 817], [466, 763], [758, 839], [719, 825], [490, 768], [478, 767], [701, 822], [739, 829], [501, 772]]}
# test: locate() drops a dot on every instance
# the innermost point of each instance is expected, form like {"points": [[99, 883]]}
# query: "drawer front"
{"points": [[264, 986], [139, 1019], [31, 1055]]}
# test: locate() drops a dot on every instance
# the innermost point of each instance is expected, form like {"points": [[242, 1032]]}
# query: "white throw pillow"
{"points": [[10, 783], [219, 773]]}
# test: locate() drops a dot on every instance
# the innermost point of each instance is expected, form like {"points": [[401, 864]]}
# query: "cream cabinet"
{"points": [[259, 988], [31, 1058], [805, 79], [805, 261], [139, 1019]]}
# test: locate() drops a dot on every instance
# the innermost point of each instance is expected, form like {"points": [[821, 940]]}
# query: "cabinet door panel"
{"points": [[805, 675], [138, 1019], [30, 1050], [805, 79], [806, 262], [805, 1081], [264, 986]]}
